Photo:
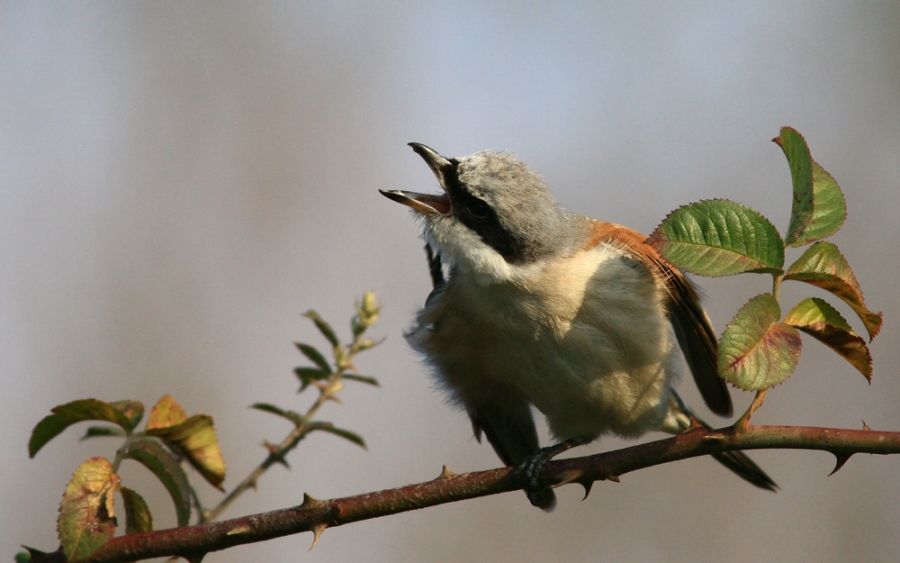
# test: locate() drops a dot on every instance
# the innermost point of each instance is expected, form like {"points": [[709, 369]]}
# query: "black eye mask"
{"points": [[478, 215]]}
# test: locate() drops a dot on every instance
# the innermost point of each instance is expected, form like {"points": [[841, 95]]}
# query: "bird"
{"points": [[533, 305]]}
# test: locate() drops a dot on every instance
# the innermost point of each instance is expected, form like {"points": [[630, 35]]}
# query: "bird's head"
{"points": [[494, 216]]}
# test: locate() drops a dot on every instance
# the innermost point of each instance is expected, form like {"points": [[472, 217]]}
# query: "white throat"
{"points": [[462, 248]]}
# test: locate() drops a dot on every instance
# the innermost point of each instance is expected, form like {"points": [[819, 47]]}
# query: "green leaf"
{"points": [[37, 556], [314, 356], [160, 461], [369, 380], [823, 265], [68, 414], [818, 209], [309, 375], [195, 438], [323, 327], [719, 238], [293, 416], [830, 209], [102, 432], [756, 351], [137, 514], [86, 515], [346, 434], [797, 152], [820, 320]]}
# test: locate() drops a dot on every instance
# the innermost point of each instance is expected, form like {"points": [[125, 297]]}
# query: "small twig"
{"points": [[276, 454], [327, 392]]}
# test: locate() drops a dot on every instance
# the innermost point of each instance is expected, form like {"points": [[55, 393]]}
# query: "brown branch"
{"points": [[317, 515]]}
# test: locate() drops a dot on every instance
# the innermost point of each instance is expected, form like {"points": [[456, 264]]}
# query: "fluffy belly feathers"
{"points": [[593, 359]]}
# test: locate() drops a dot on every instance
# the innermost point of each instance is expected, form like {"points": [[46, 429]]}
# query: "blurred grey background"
{"points": [[179, 181]]}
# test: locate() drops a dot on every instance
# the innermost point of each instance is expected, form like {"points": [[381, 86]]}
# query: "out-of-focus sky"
{"points": [[179, 181]]}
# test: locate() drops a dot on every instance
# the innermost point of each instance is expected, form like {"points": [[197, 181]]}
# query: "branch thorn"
{"points": [[587, 484], [317, 533], [310, 502], [446, 473], [841, 460], [276, 453]]}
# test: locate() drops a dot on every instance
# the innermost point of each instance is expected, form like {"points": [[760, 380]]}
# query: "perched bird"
{"points": [[543, 307]]}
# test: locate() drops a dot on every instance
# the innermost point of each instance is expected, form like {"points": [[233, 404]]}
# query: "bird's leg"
{"points": [[529, 470]]}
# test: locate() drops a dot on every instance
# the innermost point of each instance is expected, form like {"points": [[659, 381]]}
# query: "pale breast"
{"points": [[584, 339]]}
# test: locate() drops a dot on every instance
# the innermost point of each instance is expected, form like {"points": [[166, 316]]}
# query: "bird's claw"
{"points": [[528, 472]]}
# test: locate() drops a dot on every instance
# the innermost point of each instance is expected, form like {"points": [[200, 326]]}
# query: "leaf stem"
{"points": [[120, 453], [743, 424]]}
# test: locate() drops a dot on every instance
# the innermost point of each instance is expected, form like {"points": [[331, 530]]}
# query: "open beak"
{"points": [[426, 204]]}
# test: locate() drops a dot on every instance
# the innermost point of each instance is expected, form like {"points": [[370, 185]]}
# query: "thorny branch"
{"points": [[317, 515]]}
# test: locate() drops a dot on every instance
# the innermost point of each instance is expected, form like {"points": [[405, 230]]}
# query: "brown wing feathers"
{"points": [[693, 330]]}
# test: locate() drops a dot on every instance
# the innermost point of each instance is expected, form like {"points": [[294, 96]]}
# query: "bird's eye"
{"points": [[478, 209]]}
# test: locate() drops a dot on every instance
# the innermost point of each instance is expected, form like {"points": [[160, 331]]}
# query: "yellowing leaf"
{"points": [[86, 514], [196, 439], [817, 318], [824, 266], [166, 412], [133, 410]]}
